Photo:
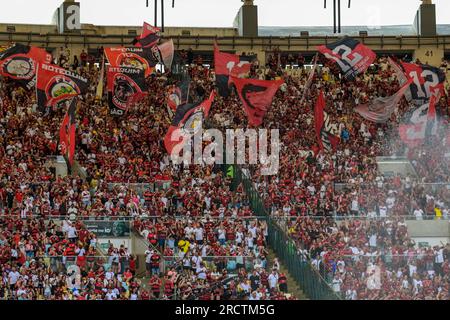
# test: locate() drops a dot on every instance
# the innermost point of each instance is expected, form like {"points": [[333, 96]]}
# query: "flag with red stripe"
{"points": [[256, 96], [67, 132], [149, 37], [187, 121], [324, 132]]}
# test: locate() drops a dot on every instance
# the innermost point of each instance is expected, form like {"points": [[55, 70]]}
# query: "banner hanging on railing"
{"points": [[108, 229]]}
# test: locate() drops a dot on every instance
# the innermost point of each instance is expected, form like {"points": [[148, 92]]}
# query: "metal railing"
{"points": [[229, 42]]}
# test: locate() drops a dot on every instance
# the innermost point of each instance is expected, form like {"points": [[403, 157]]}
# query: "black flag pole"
{"points": [[162, 15], [334, 16], [156, 13], [339, 16]]}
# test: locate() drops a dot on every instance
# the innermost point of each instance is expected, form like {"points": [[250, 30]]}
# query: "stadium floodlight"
{"points": [[162, 12], [336, 26]]}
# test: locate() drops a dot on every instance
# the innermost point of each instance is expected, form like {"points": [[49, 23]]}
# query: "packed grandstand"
{"points": [[205, 236]]}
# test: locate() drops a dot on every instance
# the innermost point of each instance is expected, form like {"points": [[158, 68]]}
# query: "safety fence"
{"points": [[299, 266]]}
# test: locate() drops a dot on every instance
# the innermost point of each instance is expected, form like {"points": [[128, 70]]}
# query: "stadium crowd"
{"points": [[347, 219]]}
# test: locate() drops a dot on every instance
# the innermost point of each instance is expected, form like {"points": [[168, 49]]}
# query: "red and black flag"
{"points": [[187, 121], [352, 57], [421, 123], [55, 84], [179, 94], [138, 58], [125, 87], [256, 96], [20, 63], [425, 79], [67, 131], [380, 109], [226, 65], [324, 132], [149, 36], [142, 58]]}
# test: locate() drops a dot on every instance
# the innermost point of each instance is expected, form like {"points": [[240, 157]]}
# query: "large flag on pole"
{"points": [[187, 121], [425, 79], [350, 55], [99, 91], [381, 109], [164, 54], [149, 36], [55, 84], [325, 137], [68, 130], [421, 124], [125, 86], [256, 96], [310, 79], [20, 63], [401, 77], [142, 58], [179, 94], [139, 58]]}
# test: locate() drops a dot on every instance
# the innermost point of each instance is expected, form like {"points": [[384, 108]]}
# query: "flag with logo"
{"points": [[20, 62], [425, 79], [256, 96], [401, 77], [125, 87], [142, 58], [352, 57], [326, 138], [138, 58], [187, 121], [226, 65], [55, 84], [421, 123]]}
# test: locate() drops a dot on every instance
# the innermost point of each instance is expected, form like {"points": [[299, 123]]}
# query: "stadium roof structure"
{"points": [[396, 30]]}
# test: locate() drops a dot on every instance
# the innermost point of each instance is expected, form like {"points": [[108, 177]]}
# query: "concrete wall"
{"points": [[428, 228]]}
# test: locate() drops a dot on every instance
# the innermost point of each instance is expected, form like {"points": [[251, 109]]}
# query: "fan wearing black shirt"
{"points": [[255, 280]]}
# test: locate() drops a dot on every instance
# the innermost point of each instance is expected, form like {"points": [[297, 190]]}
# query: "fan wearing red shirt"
{"points": [[155, 284]]}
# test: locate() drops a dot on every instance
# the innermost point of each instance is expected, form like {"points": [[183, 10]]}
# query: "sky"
{"points": [[221, 13]]}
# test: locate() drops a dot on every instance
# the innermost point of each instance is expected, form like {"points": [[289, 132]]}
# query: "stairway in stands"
{"points": [[293, 285]]}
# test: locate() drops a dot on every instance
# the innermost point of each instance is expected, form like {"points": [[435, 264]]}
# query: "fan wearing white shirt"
{"points": [[273, 279], [383, 211], [418, 213]]}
